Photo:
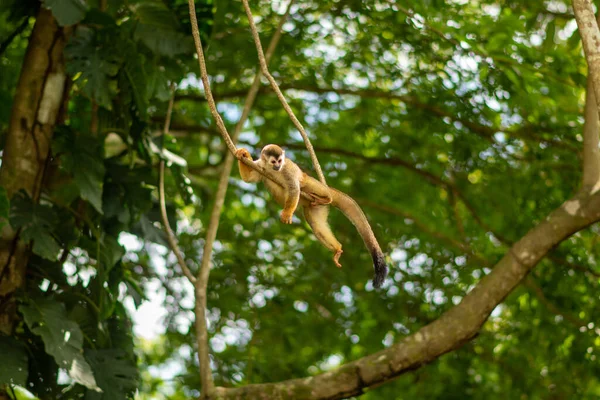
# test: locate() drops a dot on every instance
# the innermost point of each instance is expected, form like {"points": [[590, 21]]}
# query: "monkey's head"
{"points": [[273, 156]]}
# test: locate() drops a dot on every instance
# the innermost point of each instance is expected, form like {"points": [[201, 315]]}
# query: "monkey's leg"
{"points": [[320, 193], [316, 216]]}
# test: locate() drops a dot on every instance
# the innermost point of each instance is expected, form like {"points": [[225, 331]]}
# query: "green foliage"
{"points": [[67, 12], [13, 369], [90, 55], [456, 125], [37, 223], [62, 337], [159, 29], [78, 151], [116, 375]]}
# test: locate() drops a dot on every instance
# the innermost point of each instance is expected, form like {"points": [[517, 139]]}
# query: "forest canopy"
{"points": [[467, 131]]}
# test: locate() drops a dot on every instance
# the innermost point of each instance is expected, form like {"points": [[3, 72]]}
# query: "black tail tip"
{"points": [[381, 269]]}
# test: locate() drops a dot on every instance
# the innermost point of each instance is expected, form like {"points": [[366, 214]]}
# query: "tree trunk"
{"points": [[38, 101]]}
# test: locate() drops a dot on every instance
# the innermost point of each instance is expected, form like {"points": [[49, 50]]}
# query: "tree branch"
{"points": [[163, 208], [453, 329], [40, 93], [267, 74], [591, 155], [270, 174], [213, 224], [590, 37], [4, 45]]}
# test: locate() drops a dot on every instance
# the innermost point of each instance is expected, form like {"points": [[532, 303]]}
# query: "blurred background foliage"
{"points": [[457, 125]]}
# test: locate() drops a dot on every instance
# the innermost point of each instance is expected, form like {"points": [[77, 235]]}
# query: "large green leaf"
{"points": [[92, 58], [37, 223], [14, 365], [62, 337], [83, 158], [67, 12], [115, 373], [158, 29]]}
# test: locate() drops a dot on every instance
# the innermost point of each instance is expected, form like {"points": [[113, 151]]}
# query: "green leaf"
{"points": [[89, 179], [134, 70], [112, 251], [83, 159], [115, 372], [4, 207], [67, 12], [62, 338], [158, 29], [92, 56], [14, 365], [152, 233], [37, 223]]}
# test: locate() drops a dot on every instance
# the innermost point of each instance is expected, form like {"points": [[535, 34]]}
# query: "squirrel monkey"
{"points": [[316, 210]]}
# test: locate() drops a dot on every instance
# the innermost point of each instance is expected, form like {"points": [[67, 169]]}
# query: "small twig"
{"points": [[267, 74], [163, 209]]}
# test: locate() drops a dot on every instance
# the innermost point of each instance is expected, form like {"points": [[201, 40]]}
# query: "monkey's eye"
{"points": [[272, 161]]}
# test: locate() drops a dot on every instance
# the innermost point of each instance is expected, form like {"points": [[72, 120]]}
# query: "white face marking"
{"points": [[276, 162]]}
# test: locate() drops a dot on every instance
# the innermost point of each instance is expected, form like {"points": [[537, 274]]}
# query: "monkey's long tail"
{"points": [[355, 214]]}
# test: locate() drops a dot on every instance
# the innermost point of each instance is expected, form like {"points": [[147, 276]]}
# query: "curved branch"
{"points": [[453, 329], [163, 208], [267, 74], [213, 224]]}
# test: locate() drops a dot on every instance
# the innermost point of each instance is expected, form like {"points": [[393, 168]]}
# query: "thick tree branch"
{"points": [[37, 104], [265, 70], [213, 224], [453, 329], [591, 134], [590, 37]]}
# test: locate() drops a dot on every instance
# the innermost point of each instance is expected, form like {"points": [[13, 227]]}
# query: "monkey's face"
{"points": [[273, 156], [276, 162]]}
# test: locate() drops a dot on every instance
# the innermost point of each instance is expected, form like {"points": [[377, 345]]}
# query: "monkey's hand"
{"points": [[242, 153], [286, 217]]}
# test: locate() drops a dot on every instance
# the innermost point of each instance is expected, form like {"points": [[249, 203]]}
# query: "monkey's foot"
{"points": [[286, 218], [320, 201], [336, 258]]}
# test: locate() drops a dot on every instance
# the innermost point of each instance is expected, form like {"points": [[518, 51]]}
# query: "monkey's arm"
{"points": [[292, 197], [247, 173]]}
